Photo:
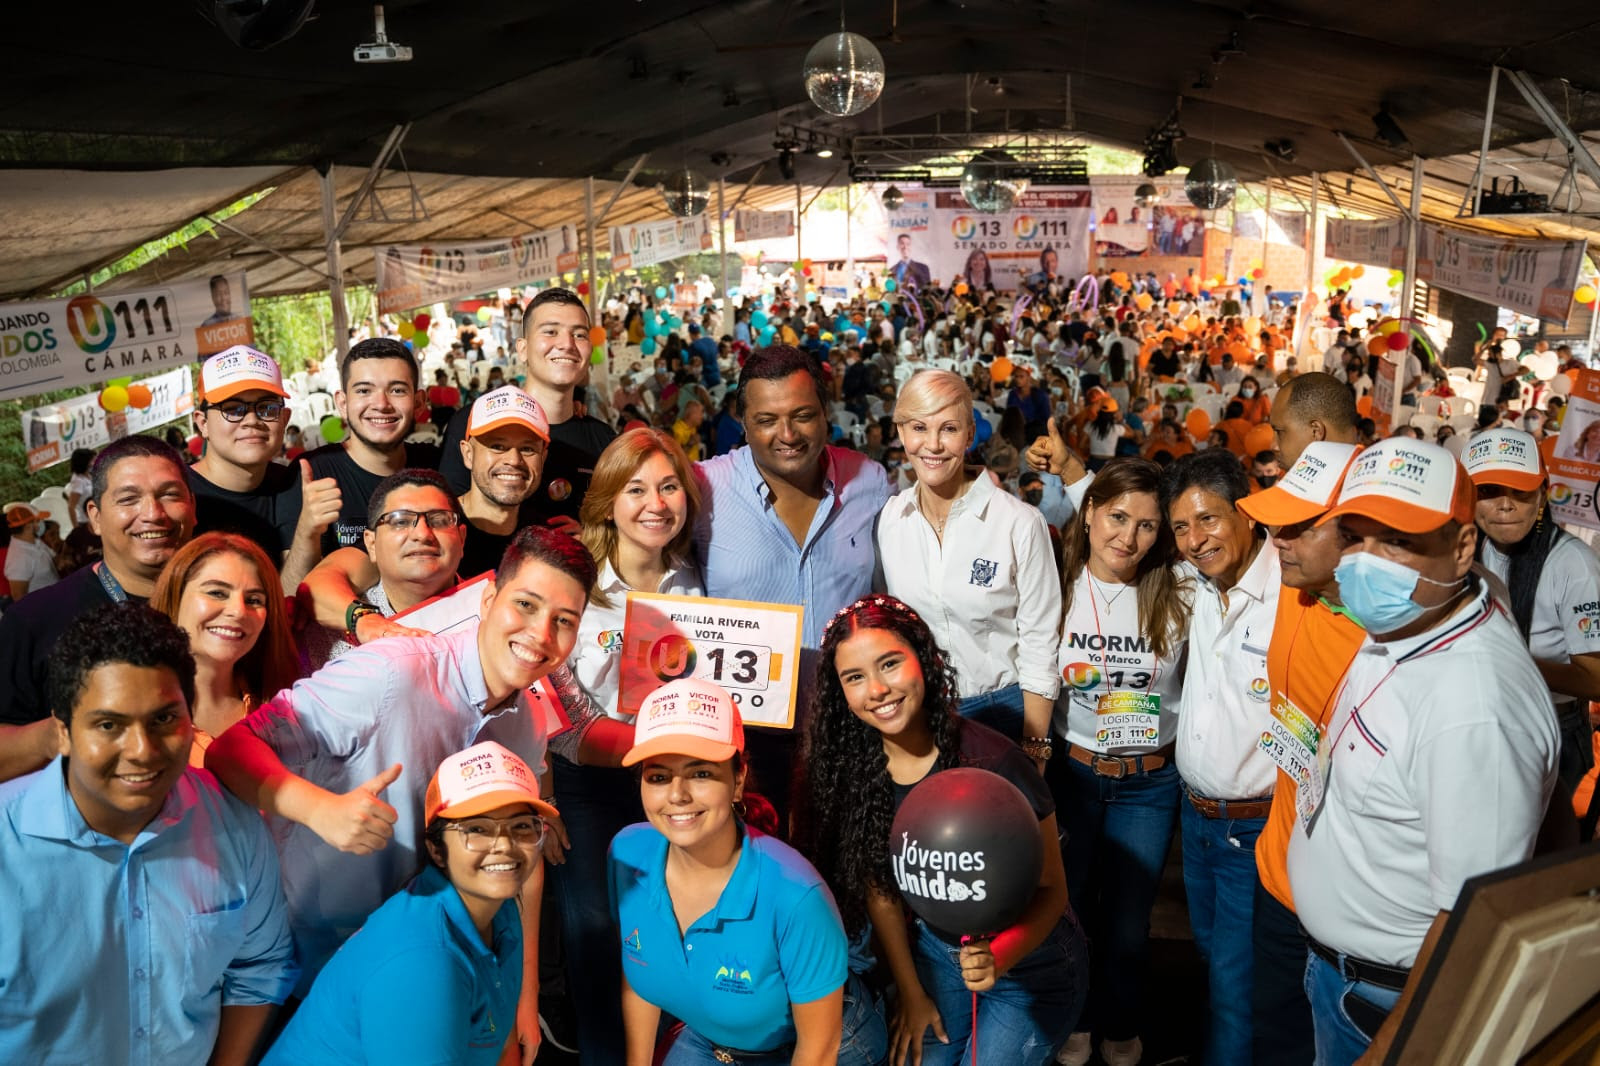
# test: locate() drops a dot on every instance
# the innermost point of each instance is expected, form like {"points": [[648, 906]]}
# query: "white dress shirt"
{"points": [[1225, 705], [1442, 759], [989, 592]]}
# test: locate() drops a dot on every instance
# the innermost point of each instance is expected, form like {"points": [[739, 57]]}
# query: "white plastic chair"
{"points": [[1429, 424]]}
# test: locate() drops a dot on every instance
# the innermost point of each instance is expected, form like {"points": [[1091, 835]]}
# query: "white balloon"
{"points": [[1561, 385], [1510, 349], [1543, 364]]}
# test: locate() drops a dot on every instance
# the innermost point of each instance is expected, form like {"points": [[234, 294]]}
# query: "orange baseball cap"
{"points": [[1309, 488], [687, 717], [508, 406], [480, 779], [1507, 457], [1407, 484], [239, 369]]}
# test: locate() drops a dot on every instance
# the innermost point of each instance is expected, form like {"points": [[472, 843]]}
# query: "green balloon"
{"points": [[332, 429]]}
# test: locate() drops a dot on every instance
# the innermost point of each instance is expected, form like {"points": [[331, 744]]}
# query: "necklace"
{"points": [[937, 521], [1095, 584]]}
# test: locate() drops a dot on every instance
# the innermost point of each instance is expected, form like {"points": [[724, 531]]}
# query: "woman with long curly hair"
{"points": [[1125, 619], [223, 591], [883, 720]]}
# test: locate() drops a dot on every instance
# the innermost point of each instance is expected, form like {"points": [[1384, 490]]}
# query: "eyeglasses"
{"points": [[480, 834], [406, 521], [266, 410]]}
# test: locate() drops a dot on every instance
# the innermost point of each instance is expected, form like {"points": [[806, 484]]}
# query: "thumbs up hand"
{"points": [[319, 502], [358, 821]]}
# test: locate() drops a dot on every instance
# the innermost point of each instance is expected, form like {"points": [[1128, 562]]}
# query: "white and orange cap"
{"points": [[687, 717], [239, 369], [1507, 457], [1309, 488], [507, 406], [1407, 484], [483, 778]]}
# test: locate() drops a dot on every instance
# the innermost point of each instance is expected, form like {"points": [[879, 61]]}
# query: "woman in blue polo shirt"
{"points": [[434, 974], [729, 931]]}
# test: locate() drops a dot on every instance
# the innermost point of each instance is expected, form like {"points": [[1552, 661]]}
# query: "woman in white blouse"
{"points": [[638, 517], [976, 563], [1115, 783]]}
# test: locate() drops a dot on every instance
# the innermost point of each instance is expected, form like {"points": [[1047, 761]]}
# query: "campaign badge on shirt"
{"points": [[1128, 720], [1293, 742]]}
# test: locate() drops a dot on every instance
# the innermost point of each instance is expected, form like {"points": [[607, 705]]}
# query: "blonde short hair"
{"points": [[930, 391]]}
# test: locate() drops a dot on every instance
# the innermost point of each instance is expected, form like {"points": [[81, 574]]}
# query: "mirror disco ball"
{"points": [[892, 198], [1147, 195], [990, 183], [843, 73], [1211, 184], [686, 193]]}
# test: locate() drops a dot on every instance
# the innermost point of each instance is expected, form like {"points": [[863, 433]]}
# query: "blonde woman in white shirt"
{"points": [[637, 517], [976, 563], [1115, 784]]}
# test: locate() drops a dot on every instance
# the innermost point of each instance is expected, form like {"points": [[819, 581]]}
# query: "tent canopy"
{"points": [[510, 105]]}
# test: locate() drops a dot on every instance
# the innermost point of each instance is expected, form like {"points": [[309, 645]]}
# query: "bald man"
{"points": [[1308, 408]]}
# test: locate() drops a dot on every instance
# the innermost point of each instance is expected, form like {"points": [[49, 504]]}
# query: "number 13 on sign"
{"points": [[750, 649]]}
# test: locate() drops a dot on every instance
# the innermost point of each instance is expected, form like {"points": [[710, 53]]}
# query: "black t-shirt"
{"points": [[356, 485], [482, 552], [575, 445], [29, 630], [985, 749], [1163, 365], [267, 515]]}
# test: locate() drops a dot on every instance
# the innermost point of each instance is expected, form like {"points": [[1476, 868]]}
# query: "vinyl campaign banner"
{"points": [[1374, 242], [1123, 228], [1575, 464], [647, 243], [63, 344], [420, 275], [1531, 277], [936, 238], [760, 225], [53, 432]]}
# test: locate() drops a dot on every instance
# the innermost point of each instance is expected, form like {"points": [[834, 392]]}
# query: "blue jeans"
{"points": [[596, 802], [1021, 1020], [1000, 710], [1344, 1028], [1219, 878], [863, 1042], [1118, 832]]}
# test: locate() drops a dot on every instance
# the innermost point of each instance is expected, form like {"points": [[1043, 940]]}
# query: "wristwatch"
{"points": [[357, 610], [1038, 748]]}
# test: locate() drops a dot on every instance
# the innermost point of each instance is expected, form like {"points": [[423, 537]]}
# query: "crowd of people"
{"points": [[1020, 544]]}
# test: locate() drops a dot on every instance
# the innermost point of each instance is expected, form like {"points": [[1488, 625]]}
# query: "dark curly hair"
{"points": [[846, 805], [118, 633]]}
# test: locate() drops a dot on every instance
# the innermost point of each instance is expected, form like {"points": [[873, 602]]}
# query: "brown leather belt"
{"points": [[1212, 808], [1119, 765]]}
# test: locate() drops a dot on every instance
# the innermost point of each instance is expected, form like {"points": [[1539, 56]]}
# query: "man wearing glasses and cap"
{"points": [[241, 416]]}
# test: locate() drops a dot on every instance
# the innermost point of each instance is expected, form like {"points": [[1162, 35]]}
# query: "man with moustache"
{"points": [[141, 508], [1313, 642]]}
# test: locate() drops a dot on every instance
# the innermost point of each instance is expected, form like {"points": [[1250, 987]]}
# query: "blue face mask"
{"points": [[1378, 591]]}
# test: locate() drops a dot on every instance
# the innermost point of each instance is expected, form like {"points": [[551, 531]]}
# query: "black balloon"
{"points": [[258, 24], [966, 853]]}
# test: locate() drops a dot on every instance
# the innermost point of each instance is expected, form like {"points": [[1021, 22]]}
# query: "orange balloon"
{"points": [[1144, 301], [1174, 307], [1239, 350], [597, 336], [1259, 439], [1359, 271], [1198, 423], [1252, 326], [1000, 369], [1377, 345], [1364, 407], [1180, 335], [1192, 323], [139, 396]]}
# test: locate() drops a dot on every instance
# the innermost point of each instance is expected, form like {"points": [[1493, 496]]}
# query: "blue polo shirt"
{"points": [[416, 985], [774, 938]]}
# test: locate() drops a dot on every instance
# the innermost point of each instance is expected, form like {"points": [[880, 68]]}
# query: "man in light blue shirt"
{"points": [[144, 922], [788, 519], [379, 720]]}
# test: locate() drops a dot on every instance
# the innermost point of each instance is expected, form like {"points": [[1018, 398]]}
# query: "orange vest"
{"points": [[1311, 649]]}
